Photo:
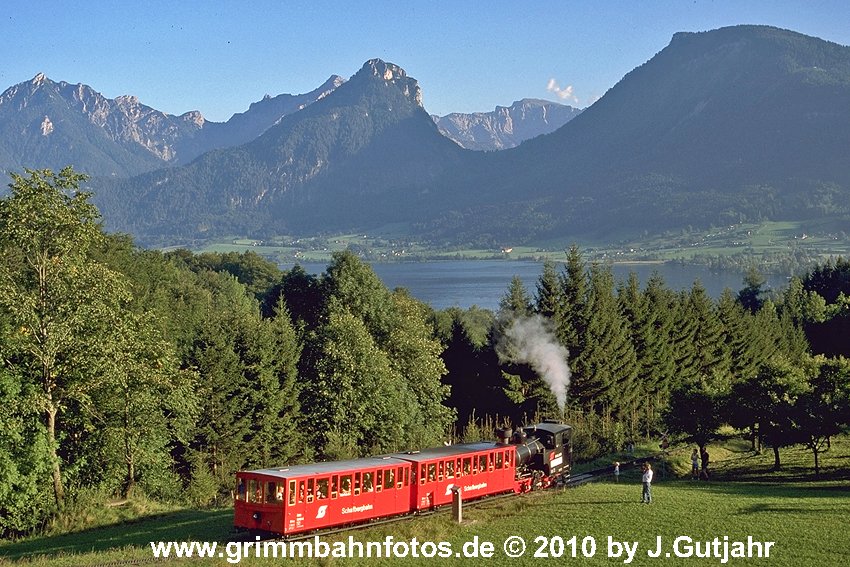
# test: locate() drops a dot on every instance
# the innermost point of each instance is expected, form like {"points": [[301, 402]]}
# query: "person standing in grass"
{"points": [[704, 458], [695, 464], [647, 484]]}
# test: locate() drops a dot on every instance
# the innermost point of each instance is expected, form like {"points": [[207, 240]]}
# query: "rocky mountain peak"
{"points": [[384, 70], [39, 80], [395, 75], [506, 126]]}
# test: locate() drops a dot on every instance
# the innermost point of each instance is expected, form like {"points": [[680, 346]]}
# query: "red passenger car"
{"points": [[477, 469], [309, 497]]}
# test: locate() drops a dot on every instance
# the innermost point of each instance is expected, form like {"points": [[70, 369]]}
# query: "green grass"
{"points": [[805, 517]]}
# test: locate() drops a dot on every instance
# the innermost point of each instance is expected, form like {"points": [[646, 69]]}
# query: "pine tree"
{"points": [[606, 371], [572, 326], [742, 337], [751, 296], [649, 328], [516, 301], [684, 342], [549, 299], [712, 358], [658, 361]]}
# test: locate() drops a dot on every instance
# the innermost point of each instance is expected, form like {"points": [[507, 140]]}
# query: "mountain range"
{"points": [[45, 124], [50, 124], [506, 126], [735, 124]]}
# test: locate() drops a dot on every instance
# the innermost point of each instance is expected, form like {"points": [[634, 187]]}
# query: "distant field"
{"points": [[813, 240], [805, 518]]}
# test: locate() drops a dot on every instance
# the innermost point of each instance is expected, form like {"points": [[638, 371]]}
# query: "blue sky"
{"points": [[218, 57]]}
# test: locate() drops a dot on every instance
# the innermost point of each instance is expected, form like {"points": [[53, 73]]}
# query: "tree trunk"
{"points": [[776, 464], [58, 489], [817, 465], [131, 479]]}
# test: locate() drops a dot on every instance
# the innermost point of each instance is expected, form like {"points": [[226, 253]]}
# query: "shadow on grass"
{"points": [[764, 508], [788, 498], [198, 525]]}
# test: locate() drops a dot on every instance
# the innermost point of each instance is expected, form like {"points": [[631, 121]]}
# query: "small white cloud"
{"points": [[563, 93]]}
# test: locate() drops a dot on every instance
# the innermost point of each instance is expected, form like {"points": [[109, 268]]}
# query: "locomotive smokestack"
{"points": [[503, 435]]}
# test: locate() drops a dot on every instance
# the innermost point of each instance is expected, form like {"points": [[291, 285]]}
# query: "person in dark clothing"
{"points": [[704, 459]]}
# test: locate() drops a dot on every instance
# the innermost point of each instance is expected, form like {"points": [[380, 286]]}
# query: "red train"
{"points": [[302, 498]]}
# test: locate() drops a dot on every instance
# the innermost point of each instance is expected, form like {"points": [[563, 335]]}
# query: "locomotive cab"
{"points": [[554, 457]]}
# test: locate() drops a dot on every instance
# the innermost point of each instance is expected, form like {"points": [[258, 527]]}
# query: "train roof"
{"points": [[548, 426], [447, 451], [329, 467], [395, 459]]}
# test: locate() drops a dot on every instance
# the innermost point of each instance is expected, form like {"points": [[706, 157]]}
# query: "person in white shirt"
{"points": [[647, 484]]}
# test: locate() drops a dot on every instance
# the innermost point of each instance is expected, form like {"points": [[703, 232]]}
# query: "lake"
{"points": [[464, 283]]}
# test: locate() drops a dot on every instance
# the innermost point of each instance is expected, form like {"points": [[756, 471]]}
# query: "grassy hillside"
{"points": [[804, 517]]}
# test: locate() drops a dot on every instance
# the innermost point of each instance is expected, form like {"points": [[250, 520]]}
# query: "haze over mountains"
{"points": [[736, 124]]}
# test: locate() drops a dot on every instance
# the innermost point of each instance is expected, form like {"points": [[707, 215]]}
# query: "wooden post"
{"points": [[457, 504]]}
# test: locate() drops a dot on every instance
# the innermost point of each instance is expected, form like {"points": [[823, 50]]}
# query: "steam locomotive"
{"points": [[303, 498]]}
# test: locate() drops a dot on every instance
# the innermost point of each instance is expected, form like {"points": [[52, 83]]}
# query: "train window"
{"points": [[458, 470], [309, 490], [345, 485], [334, 486], [274, 492], [379, 481], [422, 475], [482, 463], [407, 476], [389, 478], [356, 484], [301, 492], [450, 469], [255, 491], [399, 478], [440, 470], [321, 489], [467, 466], [240, 489], [474, 465], [432, 472], [291, 492], [368, 482], [499, 459]]}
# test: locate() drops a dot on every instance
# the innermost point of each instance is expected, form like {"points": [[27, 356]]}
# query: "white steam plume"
{"points": [[530, 340]]}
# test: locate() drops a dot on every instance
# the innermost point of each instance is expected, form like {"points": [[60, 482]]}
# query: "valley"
{"points": [[773, 247]]}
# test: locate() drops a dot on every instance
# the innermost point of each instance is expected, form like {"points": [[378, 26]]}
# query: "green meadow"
{"points": [[804, 517], [766, 240]]}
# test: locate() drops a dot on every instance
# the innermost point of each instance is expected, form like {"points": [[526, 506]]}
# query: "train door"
{"points": [[296, 500], [427, 484]]}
